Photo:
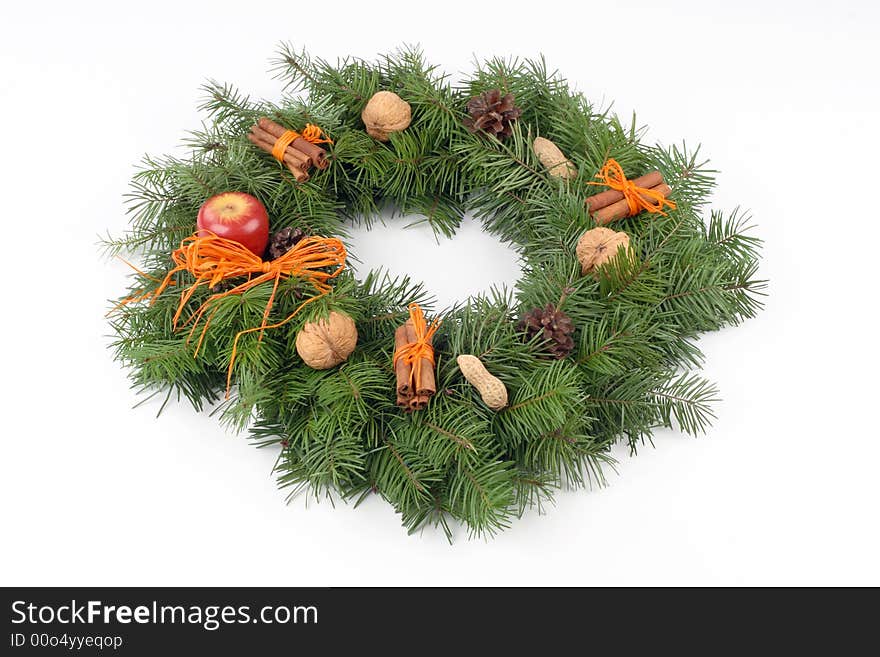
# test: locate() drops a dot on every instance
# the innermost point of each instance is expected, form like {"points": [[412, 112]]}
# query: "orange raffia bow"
{"points": [[413, 353], [211, 259], [311, 133], [637, 198]]}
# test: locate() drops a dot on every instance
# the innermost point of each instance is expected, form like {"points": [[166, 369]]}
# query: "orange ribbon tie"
{"points": [[413, 353], [637, 198], [211, 259]]}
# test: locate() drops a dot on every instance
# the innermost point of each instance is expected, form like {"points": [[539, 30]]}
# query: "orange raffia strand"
{"points": [[310, 133], [281, 144], [211, 259], [413, 353], [315, 135], [611, 175]]}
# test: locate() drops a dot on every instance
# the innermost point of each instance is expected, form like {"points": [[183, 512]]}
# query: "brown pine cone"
{"points": [[553, 325], [284, 240], [225, 285], [492, 113]]}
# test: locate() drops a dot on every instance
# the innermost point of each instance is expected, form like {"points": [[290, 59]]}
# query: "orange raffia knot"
{"points": [[211, 259], [637, 198], [413, 353], [311, 133]]}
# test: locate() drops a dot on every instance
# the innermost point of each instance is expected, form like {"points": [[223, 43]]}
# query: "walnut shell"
{"points": [[325, 343], [386, 112], [551, 157], [598, 246]]}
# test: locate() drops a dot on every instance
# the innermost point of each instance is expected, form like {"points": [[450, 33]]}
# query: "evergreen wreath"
{"points": [[594, 345]]}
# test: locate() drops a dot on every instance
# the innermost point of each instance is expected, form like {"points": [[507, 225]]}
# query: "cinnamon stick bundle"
{"points": [[412, 395], [609, 196], [304, 161], [315, 153], [297, 167], [611, 205], [620, 209], [299, 156]]}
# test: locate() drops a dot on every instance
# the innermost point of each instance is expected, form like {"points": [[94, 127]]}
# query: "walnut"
{"points": [[551, 157], [386, 112], [325, 343], [598, 246]]}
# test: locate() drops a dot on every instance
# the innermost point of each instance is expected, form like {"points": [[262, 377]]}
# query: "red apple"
{"points": [[236, 216]]}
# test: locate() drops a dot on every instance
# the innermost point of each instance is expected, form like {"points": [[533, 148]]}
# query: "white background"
{"points": [[784, 488]]}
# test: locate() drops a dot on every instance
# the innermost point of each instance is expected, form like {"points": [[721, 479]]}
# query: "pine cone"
{"points": [[553, 325], [284, 240], [493, 113], [223, 286]]}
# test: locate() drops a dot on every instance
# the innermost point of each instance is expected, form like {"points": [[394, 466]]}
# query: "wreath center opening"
{"points": [[452, 269]]}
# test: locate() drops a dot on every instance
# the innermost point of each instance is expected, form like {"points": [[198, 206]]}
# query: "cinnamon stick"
{"points": [[298, 174], [292, 164], [271, 127], [603, 199], [426, 385], [402, 370], [620, 209], [317, 154], [418, 403]]}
